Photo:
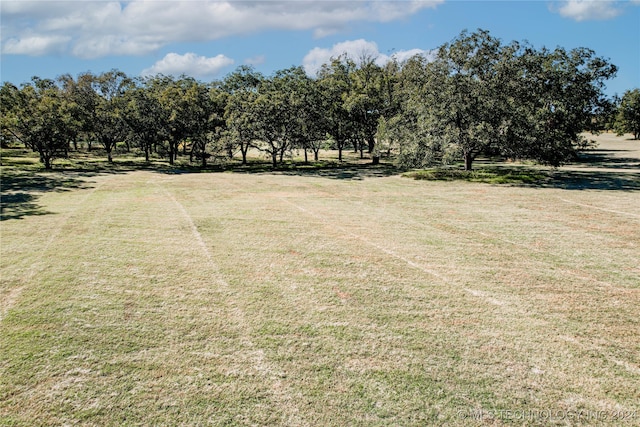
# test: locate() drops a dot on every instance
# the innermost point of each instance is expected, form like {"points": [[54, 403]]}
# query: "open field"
{"points": [[332, 297]]}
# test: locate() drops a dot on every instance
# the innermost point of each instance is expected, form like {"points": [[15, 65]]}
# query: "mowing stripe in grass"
{"points": [[34, 268], [600, 209], [475, 293], [279, 389], [370, 243], [516, 309]]}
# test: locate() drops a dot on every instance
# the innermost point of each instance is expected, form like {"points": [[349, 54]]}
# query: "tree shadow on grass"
{"points": [[19, 205], [592, 180], [20, 190], [525, 177], [608, 158], [356, 172], [327, 169]]}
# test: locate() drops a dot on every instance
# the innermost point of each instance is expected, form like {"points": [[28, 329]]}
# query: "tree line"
{"points": [[471, 96]]}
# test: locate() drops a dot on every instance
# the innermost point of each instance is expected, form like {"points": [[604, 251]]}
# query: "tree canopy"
{"points": [[472, 96]]}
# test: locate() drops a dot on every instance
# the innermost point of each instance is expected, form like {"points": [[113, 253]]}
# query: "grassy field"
{"points": [[327, 297]]}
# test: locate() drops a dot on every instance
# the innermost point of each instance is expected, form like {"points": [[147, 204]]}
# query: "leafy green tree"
{"points": [[560, 95], [273, 111], [241, 88], [145, 117], [174, 98], [311, 129], [108, 121], [240, 126], [465, 95], [410, 130], [302, 110], [479, 96], [39, 116], [74, 92], [365, 101], [206, 113], [335, 85], [628, 116]]}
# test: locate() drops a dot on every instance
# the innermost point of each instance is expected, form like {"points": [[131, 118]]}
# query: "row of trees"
{"points": [[472, 96]]}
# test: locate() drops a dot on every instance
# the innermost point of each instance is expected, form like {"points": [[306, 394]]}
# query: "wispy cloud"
{"points": [[92, 29], [589, 10], [36, 45], [189, 64], [354, 49]]}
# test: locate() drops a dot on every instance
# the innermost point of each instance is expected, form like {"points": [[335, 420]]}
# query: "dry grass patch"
{"points": [[281, 299]]}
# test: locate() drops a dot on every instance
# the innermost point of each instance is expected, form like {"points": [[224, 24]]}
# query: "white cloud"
{"points": [[354, 49], [589, 10], [100, 28], [36, 45], [189, 64]]}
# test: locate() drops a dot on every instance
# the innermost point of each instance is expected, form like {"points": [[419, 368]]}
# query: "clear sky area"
{"points": [[208, 39]]}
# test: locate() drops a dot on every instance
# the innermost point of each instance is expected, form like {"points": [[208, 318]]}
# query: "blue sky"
{"points": [[208, 39]]}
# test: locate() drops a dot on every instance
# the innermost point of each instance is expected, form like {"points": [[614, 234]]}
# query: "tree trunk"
{"points": [[468, 161], [306, 160], [146, 153], [172, 145], [274, 158], [315, 155], [244, 154]]}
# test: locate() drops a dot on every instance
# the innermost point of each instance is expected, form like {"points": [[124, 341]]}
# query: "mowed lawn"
{"points": [[320, 299]]}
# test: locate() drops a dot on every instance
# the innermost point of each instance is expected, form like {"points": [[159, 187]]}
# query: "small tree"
{"points": [[628, 117], [39, 116]]}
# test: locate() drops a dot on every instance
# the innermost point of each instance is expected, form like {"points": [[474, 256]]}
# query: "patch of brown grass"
{"points": [[274, 299]]}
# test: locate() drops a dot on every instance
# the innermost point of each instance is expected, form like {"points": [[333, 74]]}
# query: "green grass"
{"points": [[489, 175], [337, 296]]}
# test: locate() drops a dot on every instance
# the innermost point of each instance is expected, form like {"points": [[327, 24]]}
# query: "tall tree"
{"points": [[335, 86], [145, 117], [206, 112], [560, 94], [108, 121], [175, 100], [479, 96], [302, 110], [365, 101], [241, 87], [272, 115]]}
